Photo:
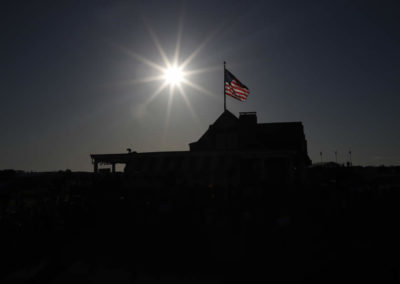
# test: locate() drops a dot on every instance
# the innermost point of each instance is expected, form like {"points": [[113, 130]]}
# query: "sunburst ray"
{"points": [[139, 57], [200, 47], [159, 47], [188, 104], [197, 87], [178, 39], [203, 70], [169, 107], [156, 93]]}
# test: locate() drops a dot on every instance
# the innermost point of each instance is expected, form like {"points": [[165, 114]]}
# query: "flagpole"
{"points": [[224, 88]]}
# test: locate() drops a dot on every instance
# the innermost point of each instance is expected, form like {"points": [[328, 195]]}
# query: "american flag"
{"points": [[234, 88]]}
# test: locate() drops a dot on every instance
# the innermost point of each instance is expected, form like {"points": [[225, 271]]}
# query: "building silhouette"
{"points": [[232, 152]]}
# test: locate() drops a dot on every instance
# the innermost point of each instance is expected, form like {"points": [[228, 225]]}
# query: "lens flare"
{"points": [[173, 74]]}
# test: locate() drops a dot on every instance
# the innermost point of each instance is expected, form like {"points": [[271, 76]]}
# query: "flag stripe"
{"points": [[236, 96], [244, 91], [230, 91], [236, 89], [240, 90]]}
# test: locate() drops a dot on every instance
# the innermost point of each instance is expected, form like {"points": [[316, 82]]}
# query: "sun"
{"points": [[173, 75]]}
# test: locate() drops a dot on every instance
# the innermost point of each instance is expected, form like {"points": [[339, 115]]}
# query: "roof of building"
{"points": [[244, 133]]}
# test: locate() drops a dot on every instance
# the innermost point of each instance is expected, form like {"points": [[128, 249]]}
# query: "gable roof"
{"points": [[226, 119], [244, 133]]}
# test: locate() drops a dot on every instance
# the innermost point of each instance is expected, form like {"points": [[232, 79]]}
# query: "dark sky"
{"points": [[70, 76]]}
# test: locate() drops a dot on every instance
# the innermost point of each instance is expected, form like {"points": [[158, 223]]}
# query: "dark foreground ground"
{"points": [[340, 226]]}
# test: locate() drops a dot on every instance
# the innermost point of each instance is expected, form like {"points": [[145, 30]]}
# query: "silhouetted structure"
{"points": [[204, 214], [233, 151]]}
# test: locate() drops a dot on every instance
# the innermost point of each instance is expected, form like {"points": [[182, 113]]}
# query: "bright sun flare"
{"points": [[173, 75]]}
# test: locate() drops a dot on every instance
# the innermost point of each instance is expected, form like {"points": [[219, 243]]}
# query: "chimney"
{"points": [[248, 118]]}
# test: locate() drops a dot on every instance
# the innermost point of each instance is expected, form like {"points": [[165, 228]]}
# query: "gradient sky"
{"points": [[70, 76]]}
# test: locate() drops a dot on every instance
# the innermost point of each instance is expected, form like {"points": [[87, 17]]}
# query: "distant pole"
{"points": [[224, 88], [351, 162], [336, 157], [320, 153]]}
